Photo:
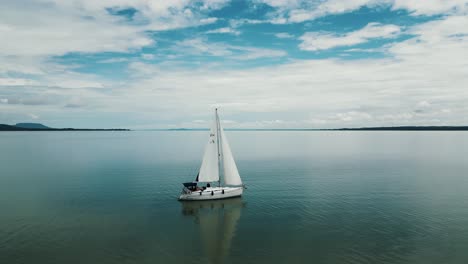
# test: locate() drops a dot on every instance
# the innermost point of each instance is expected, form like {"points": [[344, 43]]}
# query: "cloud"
{"points": [[29, 65], [50, 32], [424, 104], [224, 30], [51, 103], [353, 116], [15, 82], [425, 72], [421, 81], [74, 83], [298, 11], [147, 56], [431, 7], [313, 41], [281, 3], [75, 102], [45, 28], [449, 32], [33, 116], [284, 35], [303, 93], [36, 100], [113, 60], [251, 53], [199, 46], [329, 7]]}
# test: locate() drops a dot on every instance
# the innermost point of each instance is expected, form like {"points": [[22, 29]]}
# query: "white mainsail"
{"points": [[231, 174], [209, 170]]}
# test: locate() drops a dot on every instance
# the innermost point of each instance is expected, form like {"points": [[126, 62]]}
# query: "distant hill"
{"points": [[31, 125], [11, 128], [41, 127]]}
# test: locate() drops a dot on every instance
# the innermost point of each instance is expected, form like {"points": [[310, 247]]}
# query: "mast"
{"points": [[218, 139]]}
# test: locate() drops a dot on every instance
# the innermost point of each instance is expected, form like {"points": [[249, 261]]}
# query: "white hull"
{"points": [[212, 193]]}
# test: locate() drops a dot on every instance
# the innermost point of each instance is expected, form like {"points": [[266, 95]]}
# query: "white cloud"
{"points": [[154, 15], [424, 104], [113, 60], [284, 35], [368, 50], [352, 116], [441, 43], [199, 46], [209, 20], [147, 56], [214, 4], [25, 64], [50, 32], [224, 30], [33, 116], [251, 53], [422, 83], [328, 8], [281, 3], [74, 83], [52, 27], [313, 41], [425, 73], [432, 7], [235, 23], [15, 82], [297, 11]]}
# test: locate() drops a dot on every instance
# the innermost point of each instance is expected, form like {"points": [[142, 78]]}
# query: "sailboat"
{"points": [[217, 155]]}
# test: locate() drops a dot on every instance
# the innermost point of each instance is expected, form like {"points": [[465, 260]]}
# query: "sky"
{"points": [[144, 64]]}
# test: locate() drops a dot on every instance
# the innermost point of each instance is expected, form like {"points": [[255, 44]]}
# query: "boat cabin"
{"points": [[191, 186]]}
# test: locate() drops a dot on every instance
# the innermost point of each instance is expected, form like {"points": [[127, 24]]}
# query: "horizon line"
{"points": [[409, 128]]}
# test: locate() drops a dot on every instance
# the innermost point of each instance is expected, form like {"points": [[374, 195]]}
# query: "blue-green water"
{"points": [[312, 197]]}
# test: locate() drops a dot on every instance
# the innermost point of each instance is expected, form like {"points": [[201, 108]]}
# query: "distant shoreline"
{"points": [[15, 128], [407, 128], [396, 128]]}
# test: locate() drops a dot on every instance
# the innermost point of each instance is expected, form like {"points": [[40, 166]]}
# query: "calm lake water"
{"points": [[312, 197]]}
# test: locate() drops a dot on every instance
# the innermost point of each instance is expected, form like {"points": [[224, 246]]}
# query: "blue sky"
{"points": [[265, 63]]}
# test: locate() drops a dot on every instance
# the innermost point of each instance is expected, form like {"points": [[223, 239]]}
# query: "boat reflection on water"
{"points": [[217, 220]]}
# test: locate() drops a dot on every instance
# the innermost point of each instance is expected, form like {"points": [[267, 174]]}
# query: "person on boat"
{"points": [[208, 185]]}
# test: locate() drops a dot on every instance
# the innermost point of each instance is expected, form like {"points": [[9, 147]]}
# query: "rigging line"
{"points": [[218, 137]]}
